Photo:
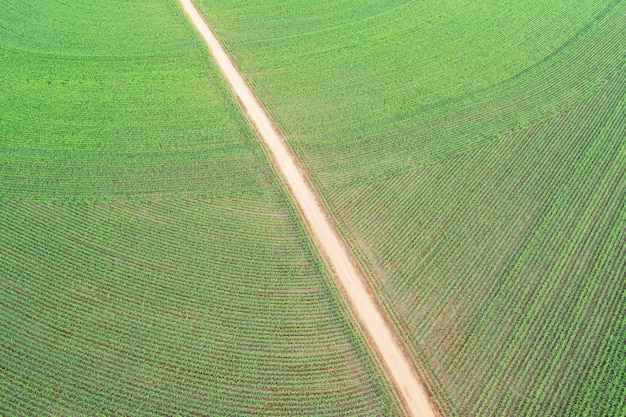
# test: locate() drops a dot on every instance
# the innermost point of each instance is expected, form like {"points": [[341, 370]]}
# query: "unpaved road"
{"points": [[366, 309]]}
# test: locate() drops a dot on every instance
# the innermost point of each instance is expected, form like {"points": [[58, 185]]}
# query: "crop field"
{"points": [[474, 156], [151, 263]]}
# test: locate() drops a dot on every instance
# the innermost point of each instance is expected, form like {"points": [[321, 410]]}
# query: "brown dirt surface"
{"points": [[374, 324]]}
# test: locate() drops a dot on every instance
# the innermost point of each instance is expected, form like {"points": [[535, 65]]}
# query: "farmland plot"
{"points": [[151, 263], [473, 155]]}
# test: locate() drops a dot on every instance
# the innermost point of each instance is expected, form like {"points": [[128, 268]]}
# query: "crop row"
{"points": [[473, 156], [208, 329], [151, 263], [397, 108], [489, 256]]}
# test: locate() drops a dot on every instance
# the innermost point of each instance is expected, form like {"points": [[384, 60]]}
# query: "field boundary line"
{"points": [[365, 308]]}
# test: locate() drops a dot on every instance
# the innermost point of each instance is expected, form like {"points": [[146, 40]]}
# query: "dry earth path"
{"points": [[354, 287]]}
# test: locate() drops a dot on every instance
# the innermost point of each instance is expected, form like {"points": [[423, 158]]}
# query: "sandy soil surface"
{"points": [[373, 322]]}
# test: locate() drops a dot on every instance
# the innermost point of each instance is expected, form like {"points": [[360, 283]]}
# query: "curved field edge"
{"points": [[508, 256], [139, 276]]}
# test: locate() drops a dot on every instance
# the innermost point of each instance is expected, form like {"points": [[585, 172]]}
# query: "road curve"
{"points": [[354, 288]]}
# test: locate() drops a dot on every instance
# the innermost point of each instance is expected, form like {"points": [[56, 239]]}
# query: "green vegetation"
{"points": [[151, 262], [473, 154]]}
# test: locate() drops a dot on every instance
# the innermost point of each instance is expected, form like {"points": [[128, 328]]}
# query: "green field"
{"points": [[474, 156], [151, 264]]}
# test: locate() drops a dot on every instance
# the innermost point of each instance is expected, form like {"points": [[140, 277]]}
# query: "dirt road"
{"points": [[373, 322]]}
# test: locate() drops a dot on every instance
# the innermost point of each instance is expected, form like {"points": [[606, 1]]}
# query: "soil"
{"points": [[376, 327]]}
